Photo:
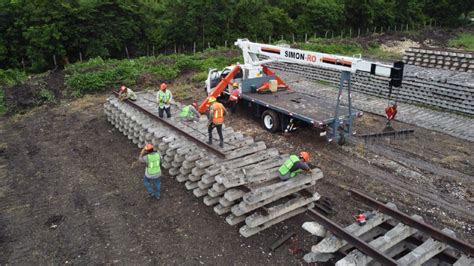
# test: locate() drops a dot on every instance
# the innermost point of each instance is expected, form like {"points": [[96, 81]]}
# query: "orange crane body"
{"points": [[218, 89]]}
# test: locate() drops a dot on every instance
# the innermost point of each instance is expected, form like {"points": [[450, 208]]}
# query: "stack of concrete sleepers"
{"points": [[433, 87], [456, 60], [244, 185]]}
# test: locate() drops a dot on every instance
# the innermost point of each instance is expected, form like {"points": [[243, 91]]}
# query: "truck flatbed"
{"points": [[310, 109]]}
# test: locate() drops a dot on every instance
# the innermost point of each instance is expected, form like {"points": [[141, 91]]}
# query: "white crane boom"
{"points": [[344, 63]]}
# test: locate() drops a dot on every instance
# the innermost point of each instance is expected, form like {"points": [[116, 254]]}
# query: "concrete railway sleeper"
{"points": [[238, 180], [390, 234]]}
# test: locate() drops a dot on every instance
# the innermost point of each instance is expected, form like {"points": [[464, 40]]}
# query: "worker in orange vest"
{"points": [[391, 111], [216, 119], [234, 97]]}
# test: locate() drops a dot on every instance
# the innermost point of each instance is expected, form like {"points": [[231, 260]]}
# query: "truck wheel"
{"points": [[271, 121]]}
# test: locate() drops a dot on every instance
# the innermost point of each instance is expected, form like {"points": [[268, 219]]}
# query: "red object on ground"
{"points": [[294, 247], [391, 112], [361, 219]]}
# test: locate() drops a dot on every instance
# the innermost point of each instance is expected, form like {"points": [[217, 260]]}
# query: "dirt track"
{"points": [[67, 166]]}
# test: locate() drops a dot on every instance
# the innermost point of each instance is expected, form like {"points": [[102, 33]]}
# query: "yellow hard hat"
{"points": [[235, 84], [211, 99]]}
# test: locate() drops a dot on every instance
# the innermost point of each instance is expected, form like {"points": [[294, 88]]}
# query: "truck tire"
{"points": [[271, 121]]}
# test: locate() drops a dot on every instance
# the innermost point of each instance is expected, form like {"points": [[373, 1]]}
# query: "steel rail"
{"points": [[395, 133], [185, 134], [456, 243], [353, 240]]}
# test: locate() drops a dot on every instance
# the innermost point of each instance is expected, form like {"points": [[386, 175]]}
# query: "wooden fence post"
{"points": [[225, 44], [80, 56], [153, 50], [126, 51], [194, 47]]}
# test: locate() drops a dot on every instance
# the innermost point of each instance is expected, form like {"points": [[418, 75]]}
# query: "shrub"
{"points": [[200, 77], [463, 40], [44, 96], [9, 78]]}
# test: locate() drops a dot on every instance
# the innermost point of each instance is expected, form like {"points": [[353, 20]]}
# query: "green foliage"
{"points": [[44, 96], [463, 40], [33, 32], [331, 47], [99, 75], [199, 77], [11, 77]]}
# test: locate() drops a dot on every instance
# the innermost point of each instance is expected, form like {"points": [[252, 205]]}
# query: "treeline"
{"points": [[38, 34]]}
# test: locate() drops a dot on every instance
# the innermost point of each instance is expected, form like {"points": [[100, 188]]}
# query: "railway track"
{"points": [[239, 181], [388, 237]]}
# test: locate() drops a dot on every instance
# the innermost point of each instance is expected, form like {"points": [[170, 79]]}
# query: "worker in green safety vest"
{"points": [[152, 171], [294, 165], [127, 93], [164, 97], [190, 113]]}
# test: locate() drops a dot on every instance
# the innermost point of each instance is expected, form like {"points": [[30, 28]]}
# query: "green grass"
{"points": [[331, 47], [100, 75], [44, 96], [463, 41], [3, 108], [9, 78], [347, 48]]}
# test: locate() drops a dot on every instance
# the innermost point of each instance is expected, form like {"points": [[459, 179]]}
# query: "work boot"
{"points": [[221, 144], [209, 141]]}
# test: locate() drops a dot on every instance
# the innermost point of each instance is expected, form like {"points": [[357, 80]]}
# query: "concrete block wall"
{"points": [[438, 88], [455, 60]]}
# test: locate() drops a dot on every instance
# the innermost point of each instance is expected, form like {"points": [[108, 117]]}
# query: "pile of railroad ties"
{"points": [[240, 180]]}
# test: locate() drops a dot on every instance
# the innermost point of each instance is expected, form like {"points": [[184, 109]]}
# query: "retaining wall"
{"points": [[455, 60], [438, 88]]}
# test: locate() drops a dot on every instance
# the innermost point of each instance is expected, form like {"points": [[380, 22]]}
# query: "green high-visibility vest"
{"points": [[163, 97], [186, 112], [153, 163], [286, 167]]}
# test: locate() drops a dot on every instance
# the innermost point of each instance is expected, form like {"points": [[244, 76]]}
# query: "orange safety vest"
{"points": [[217, 112], [234, 95], [391, 112]]}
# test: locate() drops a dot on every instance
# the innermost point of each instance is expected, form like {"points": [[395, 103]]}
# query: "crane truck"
{"points": [[286, 109]]}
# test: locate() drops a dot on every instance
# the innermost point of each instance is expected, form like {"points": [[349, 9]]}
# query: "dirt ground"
{"points": [[67, 167], [71, 192]]}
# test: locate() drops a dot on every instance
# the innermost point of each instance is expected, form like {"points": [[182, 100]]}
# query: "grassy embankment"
{"points": [[100, 74], [9, 78], [97, 75], [463, 41]]}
